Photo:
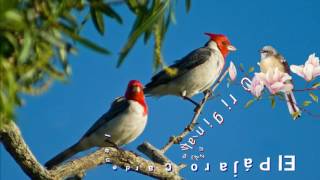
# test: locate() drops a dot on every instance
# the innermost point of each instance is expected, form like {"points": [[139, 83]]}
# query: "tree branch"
{"points": [[117, 157], [306, 89], [19, 150], [191, 125], [13, 141]]}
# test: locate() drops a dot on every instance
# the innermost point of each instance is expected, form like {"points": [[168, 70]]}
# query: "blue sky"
{"points": [[55, 120]]}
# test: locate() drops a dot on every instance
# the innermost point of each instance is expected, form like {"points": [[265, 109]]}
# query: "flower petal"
{"points": [[316, 72], [297, 70], [313, 60], [308, 71], [232, 71], [257, 86]]}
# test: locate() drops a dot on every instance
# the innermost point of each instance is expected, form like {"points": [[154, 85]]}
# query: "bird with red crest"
{"points": [[195, 73]]}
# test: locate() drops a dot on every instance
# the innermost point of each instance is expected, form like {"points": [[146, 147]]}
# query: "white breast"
{"points": [[271, 63], [124, 128]]}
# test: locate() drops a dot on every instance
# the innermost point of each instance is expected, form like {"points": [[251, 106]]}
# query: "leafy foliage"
{"points": [[36, 37]]}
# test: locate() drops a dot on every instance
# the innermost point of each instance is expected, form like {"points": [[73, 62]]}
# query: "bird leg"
{"points": [[193, 102], [112, 144], [190, 100], [185, 97], [208, 91]]}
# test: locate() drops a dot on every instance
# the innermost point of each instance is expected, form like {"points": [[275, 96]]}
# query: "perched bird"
{"points": [[123, 123], [196, 72], [271, 59]]}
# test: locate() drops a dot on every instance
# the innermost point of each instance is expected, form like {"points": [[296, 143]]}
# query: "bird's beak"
{"points": [[136, 89], [231, 48], [262, 51]]}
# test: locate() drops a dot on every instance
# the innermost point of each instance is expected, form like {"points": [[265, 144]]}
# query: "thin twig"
{"points": [[306, 89], [190, 126]]}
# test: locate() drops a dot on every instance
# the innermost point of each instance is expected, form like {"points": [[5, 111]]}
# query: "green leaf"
{"points": [[84, 41], [6, 5], [8, 44], [188, 5], [70, 19], [251, 69], [133, 5], [12, 20], [147, 35], [249, 103], [139, 30], [26, 49], [314, 97], [97, 19], [273, 102], [241, 66], [306, 103], [172, 15], [316, 85], [106, 9]]}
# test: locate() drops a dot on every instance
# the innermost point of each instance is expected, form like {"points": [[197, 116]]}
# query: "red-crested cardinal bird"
{"points": [[270, 60], [196, 72], [123, 123]]}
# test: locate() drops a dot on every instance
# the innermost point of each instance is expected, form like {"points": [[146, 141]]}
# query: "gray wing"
{"points": [[192, 60], [285, 64], [119, 105]]}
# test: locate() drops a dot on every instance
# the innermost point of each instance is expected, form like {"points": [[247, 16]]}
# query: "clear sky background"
{"points": [[57, 119]]}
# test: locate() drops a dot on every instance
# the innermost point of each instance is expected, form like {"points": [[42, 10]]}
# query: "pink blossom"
{"points": [[232, 71], [257, 86], [276, 81], [308, 71]]}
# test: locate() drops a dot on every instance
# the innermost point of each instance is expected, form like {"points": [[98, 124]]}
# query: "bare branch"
{"points": [[153, 153], [15, 145], [306, 89], [191, 125], [117, 157], [19, 150]]}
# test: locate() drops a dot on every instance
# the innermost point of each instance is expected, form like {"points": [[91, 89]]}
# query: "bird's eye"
{"points": [[224, 43], [136, 89]]}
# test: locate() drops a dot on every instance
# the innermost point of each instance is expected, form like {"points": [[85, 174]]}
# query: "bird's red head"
{"points": [[135, 92], [222, 42]]}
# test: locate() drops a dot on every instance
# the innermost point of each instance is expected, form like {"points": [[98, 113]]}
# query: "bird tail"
{"points": [[66, 154], [147, 89], [292, 105]]}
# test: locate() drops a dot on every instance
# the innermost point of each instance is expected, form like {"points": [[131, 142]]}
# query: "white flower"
{"points": [[308, 71], [276, 81], [232, 71], [256, 86]]}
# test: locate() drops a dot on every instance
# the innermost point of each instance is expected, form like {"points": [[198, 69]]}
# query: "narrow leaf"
{"points": [[251, 69], [26, 49], [314, 97], [188, 5], [133, 6], [249, 103], [147, 35], [316, 85], [97, 19], [104, 8], [306, 103], [84, 41], [241, 67], [273, 102], [139, 30]]}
